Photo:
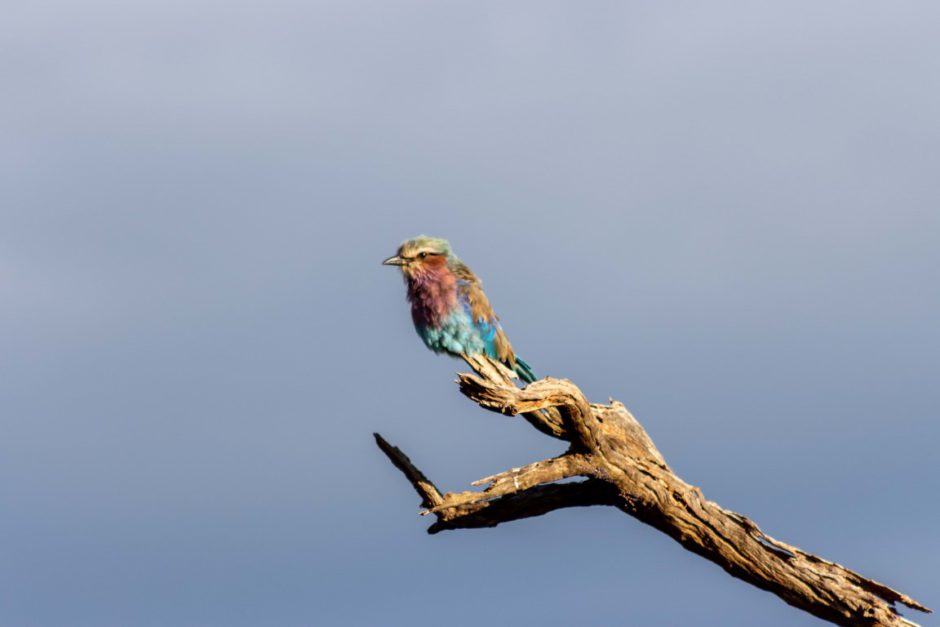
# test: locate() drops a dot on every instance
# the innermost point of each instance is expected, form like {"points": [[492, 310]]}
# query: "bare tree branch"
{"points": [[623, 468]]}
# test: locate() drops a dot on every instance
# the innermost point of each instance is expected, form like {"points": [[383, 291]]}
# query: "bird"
{"points": [[448, 307]]}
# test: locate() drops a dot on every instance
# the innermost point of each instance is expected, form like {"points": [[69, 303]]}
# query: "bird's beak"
{"points": [[394, 261]]}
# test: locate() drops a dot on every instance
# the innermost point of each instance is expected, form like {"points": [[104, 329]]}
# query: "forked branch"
{"points": [[621, 467]]}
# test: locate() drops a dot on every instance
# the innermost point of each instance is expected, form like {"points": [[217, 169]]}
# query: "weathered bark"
{"points": [[623, 468]]}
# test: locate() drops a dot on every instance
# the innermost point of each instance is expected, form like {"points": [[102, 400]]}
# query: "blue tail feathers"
{"points": [[524, 371]]}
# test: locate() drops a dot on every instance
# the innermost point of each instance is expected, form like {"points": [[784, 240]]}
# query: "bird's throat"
{"points": [[433, 296]]}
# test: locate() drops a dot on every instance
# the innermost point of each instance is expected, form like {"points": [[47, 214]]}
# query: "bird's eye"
{"points": [[422, 255]]}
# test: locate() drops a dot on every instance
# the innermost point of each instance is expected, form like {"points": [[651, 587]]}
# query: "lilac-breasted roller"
{"points": [[449, 309]]}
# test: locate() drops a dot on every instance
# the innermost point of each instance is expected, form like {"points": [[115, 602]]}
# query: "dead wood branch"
{"points": [[621, 467]]}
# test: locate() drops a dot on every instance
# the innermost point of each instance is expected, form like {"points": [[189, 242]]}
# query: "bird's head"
{"points": [[422, 255]]}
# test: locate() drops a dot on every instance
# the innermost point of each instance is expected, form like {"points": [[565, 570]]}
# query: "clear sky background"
{"points": [[724, 214]]}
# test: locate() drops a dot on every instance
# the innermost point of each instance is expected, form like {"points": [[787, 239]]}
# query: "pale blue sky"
{"points": [[739, 200]]}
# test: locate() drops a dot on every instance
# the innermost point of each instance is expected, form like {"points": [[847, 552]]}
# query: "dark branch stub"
{"points": [[621, 467]]}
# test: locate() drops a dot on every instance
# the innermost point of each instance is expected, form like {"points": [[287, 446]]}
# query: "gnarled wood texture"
{"points": [[623, 468]]}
